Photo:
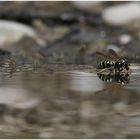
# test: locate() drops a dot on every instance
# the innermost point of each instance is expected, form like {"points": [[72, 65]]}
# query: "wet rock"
{"points": [[122, 14]]}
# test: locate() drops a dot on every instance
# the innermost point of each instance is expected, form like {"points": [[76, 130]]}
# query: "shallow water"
{"points": [[68, 102]]}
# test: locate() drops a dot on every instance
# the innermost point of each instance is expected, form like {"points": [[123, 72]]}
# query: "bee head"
{"points": [[121, 65], [125, 64]]}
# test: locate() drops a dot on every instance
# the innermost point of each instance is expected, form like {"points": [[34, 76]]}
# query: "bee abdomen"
{"points": [[105, 64]]}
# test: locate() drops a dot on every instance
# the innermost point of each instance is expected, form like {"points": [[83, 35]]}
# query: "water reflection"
{"points": [[84, 82], [128, 80], [17, 97], [70, 104], [121, 78], [134, 83]]}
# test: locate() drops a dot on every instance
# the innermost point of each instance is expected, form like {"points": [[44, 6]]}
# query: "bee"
{"points": [[121, 78], [116, 63]]}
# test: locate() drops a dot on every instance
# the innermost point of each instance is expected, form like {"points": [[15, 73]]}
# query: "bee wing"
{"points": [[113, 54], [105, 55], [102, 54]]}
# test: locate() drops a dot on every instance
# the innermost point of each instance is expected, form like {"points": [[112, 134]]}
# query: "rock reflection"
{"points": [[84, 82], [17, 97]]}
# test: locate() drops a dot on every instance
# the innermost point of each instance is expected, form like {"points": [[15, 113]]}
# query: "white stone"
{"points": [[122, 14], [125, 39], [11, 32]]}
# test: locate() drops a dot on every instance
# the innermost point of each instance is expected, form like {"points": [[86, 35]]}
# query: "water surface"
{"points": [[68, 102]]}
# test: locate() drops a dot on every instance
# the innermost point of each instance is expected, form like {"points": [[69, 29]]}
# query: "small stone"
{"points": [[122, 14], [125, 39]]}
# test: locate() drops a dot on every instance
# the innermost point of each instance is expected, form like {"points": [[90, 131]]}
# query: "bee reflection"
{"points": [[121, 78]]}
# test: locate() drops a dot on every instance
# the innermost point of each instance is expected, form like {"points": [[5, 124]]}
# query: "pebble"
{"points": [[11, 32], [122, 14], [125, 39]]}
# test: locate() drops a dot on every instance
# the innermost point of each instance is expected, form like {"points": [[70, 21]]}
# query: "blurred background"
{"points": [[69, 32], [48, 82]]}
